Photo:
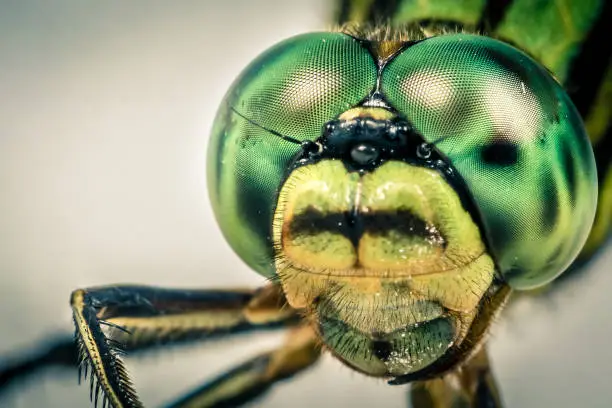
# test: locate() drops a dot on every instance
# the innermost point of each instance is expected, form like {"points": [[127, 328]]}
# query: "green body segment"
{"points": [[466, 11], [550, 31], [515, 138], [398, 12], [292, 89]]}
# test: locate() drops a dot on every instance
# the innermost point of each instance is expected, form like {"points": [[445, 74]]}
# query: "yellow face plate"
{"points": [[418, 255]]}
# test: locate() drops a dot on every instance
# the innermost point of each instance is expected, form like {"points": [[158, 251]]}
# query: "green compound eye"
{"points": [[292, 89], [516, 139]]}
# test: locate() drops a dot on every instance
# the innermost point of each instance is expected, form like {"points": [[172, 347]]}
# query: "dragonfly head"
{"points": [[390, 188]]}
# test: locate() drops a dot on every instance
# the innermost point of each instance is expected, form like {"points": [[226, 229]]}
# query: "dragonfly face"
{"points": [[391, 190], [392, 185]]}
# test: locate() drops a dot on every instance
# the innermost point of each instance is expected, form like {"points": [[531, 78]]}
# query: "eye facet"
{"points": [[500, 153], [508, 128]]}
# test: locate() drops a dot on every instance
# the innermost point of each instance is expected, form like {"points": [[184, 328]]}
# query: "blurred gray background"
{"points": [[105, 107]]}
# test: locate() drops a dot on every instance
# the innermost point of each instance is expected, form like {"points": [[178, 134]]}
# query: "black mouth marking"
{"points": [[353, 225], [402, 351], [381, 349]]}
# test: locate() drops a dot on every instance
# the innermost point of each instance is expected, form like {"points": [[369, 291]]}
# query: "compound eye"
{"points": [[515, 138], [284, 97]]}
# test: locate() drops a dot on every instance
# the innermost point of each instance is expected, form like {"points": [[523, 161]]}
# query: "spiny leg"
{"points": [[63, 351], [111, 320], [251, 379]]}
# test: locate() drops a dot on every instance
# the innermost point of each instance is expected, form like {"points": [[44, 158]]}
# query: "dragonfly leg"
{"points": [[471, 386], [111, 320], [252, 378]]}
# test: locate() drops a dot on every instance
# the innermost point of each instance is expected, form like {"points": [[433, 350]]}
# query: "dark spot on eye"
{"points": [[569, 168], [500, 231], [254, 206], [553, 258], [550, 203], [515, 273], [500, 153], [381, 349]]}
